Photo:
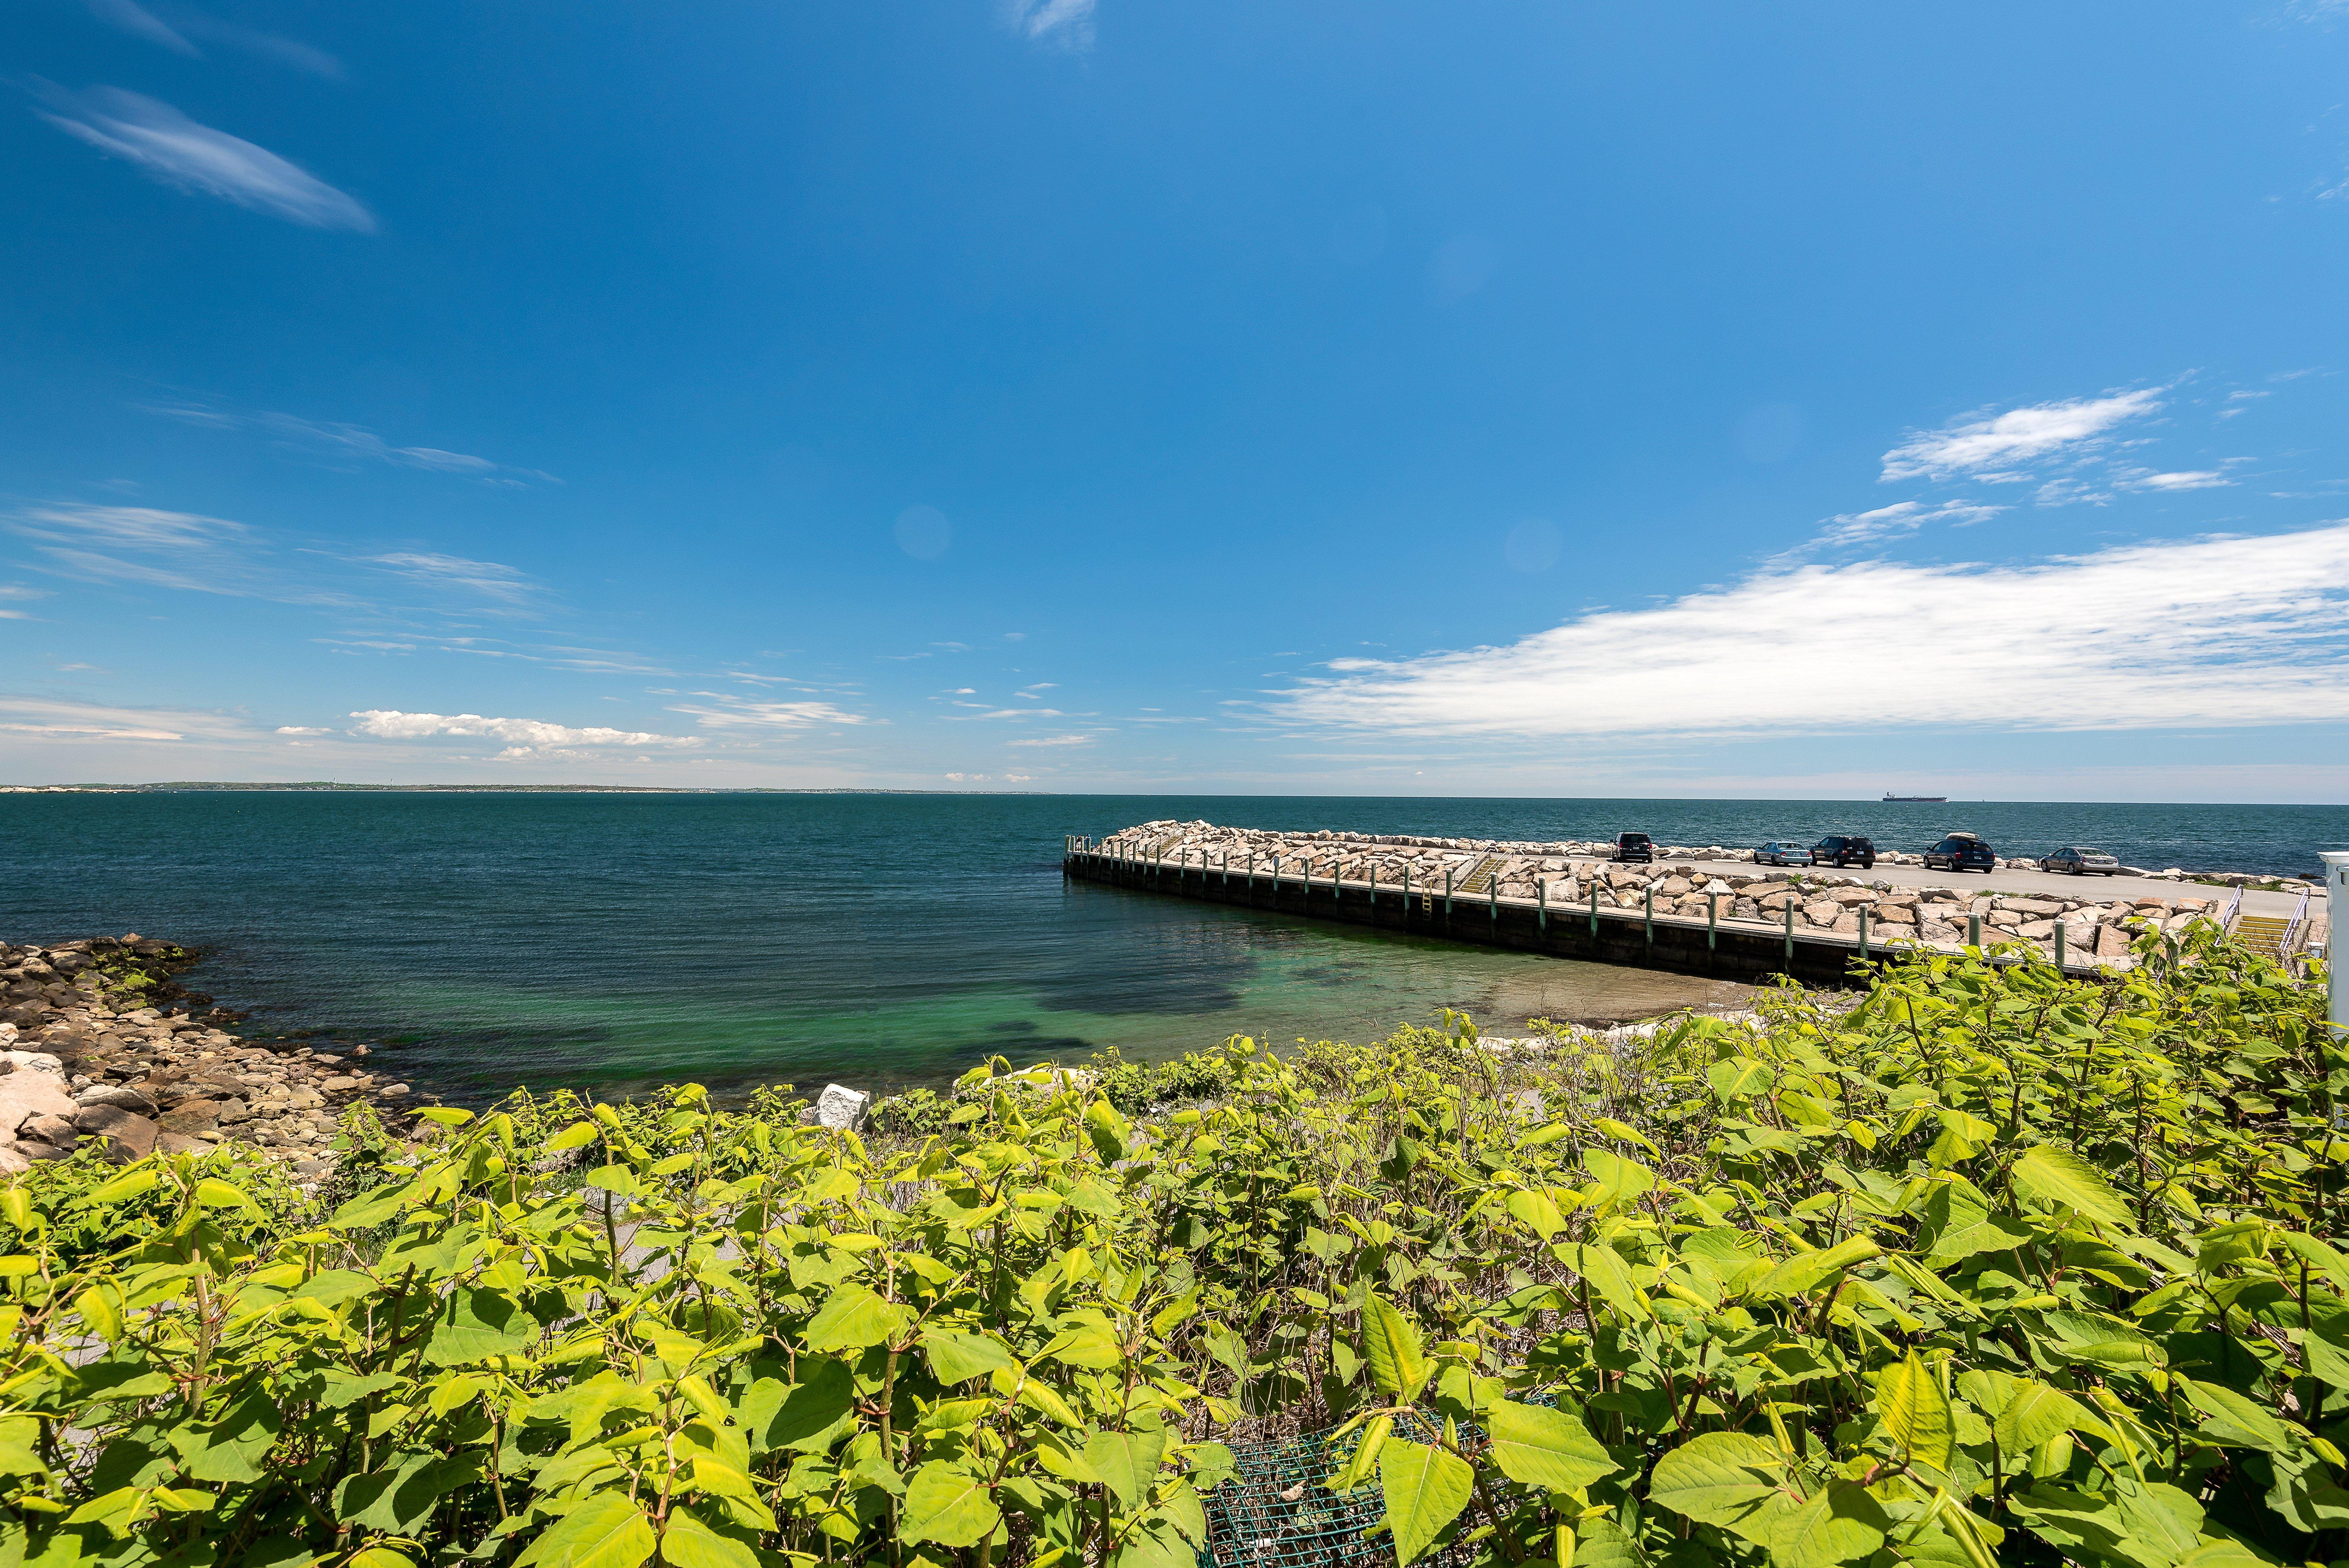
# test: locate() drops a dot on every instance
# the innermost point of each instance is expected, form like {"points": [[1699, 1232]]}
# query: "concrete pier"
{"points": [[1718, 947]]}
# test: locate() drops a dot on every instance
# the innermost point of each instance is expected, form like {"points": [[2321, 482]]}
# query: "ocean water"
{"points": [[613, 942]]}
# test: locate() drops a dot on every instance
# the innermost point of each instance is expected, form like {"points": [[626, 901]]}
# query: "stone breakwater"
{"points": [[1825, 902], [1235, 841], [101, 1045]]}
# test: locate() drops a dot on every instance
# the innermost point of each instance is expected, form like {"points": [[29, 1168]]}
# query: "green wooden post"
{"points": [[1594, 903], [2059, 945], [1973, 928], [1447, 895], [1790, 931], [1374, 890], [1651, 913], [1493, 897], [1541, 901], [1276, 879], [1863, 934], [1406, 892], [1711, 920]]}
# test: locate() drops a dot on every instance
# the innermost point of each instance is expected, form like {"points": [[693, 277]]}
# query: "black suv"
{"points": [[1635, 847], [1961, 852], [1839, 850]]}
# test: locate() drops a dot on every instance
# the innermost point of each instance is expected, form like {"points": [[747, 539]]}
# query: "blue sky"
{"points": [[1086, 394]]}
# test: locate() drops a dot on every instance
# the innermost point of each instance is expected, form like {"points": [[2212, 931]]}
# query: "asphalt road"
{"points": [[2041, 882]]}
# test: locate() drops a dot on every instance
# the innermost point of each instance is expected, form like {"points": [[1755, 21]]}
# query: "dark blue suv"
{"points": [[1961, 852]]}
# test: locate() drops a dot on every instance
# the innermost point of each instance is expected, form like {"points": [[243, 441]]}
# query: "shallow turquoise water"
{"points": [[612, 941]]}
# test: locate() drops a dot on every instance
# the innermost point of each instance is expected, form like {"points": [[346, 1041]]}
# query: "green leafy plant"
{"points": [[1992, 1266]]}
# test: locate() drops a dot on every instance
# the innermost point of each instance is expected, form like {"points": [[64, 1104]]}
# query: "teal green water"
{"points": [[614, 940]]}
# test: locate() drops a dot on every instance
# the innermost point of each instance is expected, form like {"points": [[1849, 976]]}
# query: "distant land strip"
{"points": [[322, 786]]}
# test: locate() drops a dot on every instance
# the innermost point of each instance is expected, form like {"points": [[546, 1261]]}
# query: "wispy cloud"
{"points": [[36, 718], [1064, 23], [2190, 479], [302, 729], [745, 713], [168, 146], [1056, 741], [1993, 446], [1900, 517], [2210, 632], [335, 442], [128, 16], [183, 549], [487, 577]]}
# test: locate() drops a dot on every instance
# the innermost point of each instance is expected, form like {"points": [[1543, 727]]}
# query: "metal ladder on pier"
{"points": [[1480, 875]]}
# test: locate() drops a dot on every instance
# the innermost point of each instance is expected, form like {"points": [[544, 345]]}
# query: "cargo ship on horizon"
{"points": [[1891, 799]]}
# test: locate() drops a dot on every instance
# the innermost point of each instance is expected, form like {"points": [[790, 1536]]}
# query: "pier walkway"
{"points": [[1712, 945]]}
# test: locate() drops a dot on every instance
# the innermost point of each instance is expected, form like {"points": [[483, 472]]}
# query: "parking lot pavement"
{"points": [[2044, 883]]}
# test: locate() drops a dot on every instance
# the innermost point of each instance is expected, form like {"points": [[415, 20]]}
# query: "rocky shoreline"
{"points": [[1737, 891], [101, 1044]]}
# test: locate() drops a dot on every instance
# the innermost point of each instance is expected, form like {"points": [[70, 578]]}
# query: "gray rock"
{"points": [[123, 1096], [129, 1135], [50, 1128], [841, 1108]]}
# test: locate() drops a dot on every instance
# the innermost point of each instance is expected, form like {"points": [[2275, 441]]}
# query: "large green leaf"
{"points": [[1840, 1523], [1603, 1269], [957, 1358], [1392, 1345], [2235, 1421], [1718, 1478], [1546, 1447], [1808, 1271], [607, 1530], [687, 1543], [234, 1449], [393, 1499], [476, 1322], [1908, 1399], [809, 1415], [2035, 1413], [1127, 1462], [1425, 1490], [853, 1318], [948, 1505], [2060, 1179]]}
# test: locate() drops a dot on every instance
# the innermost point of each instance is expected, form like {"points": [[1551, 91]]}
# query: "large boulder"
{"points": [[128, 1136], [840, 1108], [124, 1096]]}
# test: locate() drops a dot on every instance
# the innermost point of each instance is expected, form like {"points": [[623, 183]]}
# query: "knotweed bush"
{"points": [[1992, 1267]]}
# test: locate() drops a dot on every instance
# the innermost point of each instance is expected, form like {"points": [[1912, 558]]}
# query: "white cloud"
{"points": [[528, 735], [2192, 479], [486, 578], [128, 16], [1902, 517], [1987, 446], [333, 440], [1056, 741], [741, 712], [1068, 24], [301, 729], [2211, 632], [168, 146], [49, 719]]}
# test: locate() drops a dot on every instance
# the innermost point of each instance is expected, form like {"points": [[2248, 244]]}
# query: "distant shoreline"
{"points": [[199, 787]]}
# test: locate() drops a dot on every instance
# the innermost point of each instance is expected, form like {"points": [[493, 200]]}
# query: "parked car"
{"points": [[1961, 852], [1842, 848], [1782, 852], [2081, 861], [1635, 847]]}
